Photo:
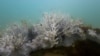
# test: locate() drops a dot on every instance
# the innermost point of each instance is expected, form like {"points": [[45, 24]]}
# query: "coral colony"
{"points": [[53, 31]]}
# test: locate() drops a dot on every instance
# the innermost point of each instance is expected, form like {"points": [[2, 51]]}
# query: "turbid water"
{"points": [[12, 11], [20, 40]]}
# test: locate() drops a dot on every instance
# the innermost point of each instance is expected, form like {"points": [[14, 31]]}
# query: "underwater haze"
{"points": [[12, 11]]}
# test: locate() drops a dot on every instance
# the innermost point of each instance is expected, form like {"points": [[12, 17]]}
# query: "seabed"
{"points": [[79, 48]]}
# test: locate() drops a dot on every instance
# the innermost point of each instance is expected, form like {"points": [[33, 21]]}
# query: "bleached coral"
{"points": [[93, 35], [13, 39], [54, 30], [54, 25], [92, 32]]}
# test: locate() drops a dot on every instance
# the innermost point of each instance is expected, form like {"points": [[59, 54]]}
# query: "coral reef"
{"points": [[54, 30]]}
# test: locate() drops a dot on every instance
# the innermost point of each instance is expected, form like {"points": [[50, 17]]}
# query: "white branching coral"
{"points": [[54, 30], [92, 32], [50, 28], [53, 25], [13, 39], [93, 35]]}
